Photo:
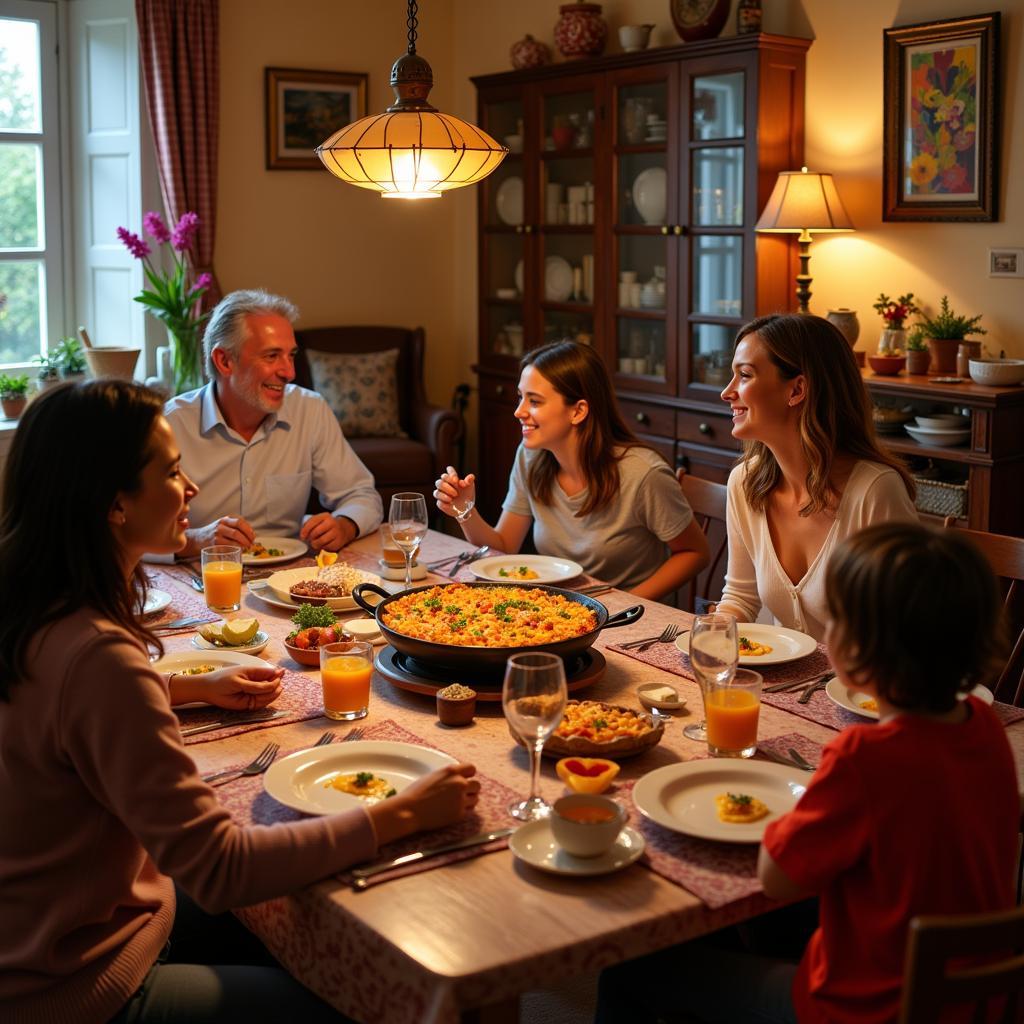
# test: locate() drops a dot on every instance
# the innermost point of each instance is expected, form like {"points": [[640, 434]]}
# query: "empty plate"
{"points": [[557, 279], [508, 200], [650, 194]]}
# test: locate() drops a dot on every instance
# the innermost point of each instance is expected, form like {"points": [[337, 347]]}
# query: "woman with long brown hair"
{"points": [[591, 490], [812, 471]]}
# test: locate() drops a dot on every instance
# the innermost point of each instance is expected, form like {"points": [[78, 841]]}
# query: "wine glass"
{"points": [[714, 655], [408, 520], [533, 697], [462, 506]]}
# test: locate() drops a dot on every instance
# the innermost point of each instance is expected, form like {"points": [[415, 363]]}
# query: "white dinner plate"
{"points": [[557, 279], [254, 646], [681, 797], [786, 644], [299, 780], [508, 200], [534, 844], [186, 659], [280, 582], [289, 547], [939, 438], [854, 700], [650, 194], [548, 569], [156, 601]]}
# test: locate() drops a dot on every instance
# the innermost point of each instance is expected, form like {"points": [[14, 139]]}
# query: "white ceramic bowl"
{"points": [[514, 143], [943, 421], [586, 839], [997, 372], [938, 438], [634, 37]]}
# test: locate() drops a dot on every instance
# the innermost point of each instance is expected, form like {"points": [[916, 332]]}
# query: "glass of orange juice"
{"points": [[731, 709], [345, 672], [222, 577]]}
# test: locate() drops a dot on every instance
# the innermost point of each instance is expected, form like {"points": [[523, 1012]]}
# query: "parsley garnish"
{"points": [[740, 798], [364, 778]]}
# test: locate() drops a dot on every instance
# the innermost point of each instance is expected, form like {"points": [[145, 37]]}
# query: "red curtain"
{"points": [[178, 47]]}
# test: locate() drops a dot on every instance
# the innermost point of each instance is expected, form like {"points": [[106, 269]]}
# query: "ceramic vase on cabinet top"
{"points": [[580, 31], [846, 322], [529, 53], [892, 341]]}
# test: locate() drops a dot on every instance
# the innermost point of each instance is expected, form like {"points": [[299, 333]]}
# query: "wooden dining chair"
{"points": [[707, 499], [1006, 556], [931, 984]]}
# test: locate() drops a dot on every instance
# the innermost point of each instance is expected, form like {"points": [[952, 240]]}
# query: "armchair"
{"points": [[397, 463]]}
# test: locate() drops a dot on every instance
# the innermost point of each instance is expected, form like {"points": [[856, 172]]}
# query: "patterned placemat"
{"points": [[781, 746], [250, 805], [185, 602]]}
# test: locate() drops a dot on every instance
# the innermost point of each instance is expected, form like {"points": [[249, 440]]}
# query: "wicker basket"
{"points": [[940, 498]]}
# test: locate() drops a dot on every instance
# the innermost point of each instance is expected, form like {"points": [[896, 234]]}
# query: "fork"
{"points": [[352, 734], [327, 738], [810, 691], [258, 766], [666, 636]]}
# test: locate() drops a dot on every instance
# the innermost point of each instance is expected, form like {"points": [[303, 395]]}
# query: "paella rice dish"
{"points": [[488, 616]]}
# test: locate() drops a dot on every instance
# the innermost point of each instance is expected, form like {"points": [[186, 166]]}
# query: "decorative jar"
{"points": [[846, 322], [529, 53], [580, 31]]}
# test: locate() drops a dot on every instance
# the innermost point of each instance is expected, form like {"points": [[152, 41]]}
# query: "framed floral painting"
{"points": [[941, 120], [304, 108]]}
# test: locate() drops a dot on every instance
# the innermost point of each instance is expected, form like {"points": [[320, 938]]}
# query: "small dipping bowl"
{"points": [[659, 695], [363, 629], [455, 710], [586, 825]]}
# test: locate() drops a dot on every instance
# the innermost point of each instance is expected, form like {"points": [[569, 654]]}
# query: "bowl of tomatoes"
{"points": [[304, 644]]}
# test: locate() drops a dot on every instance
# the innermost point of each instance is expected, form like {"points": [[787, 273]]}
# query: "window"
{"points": [[31, 292]]}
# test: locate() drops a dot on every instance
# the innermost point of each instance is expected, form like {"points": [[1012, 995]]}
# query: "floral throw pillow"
{"points": [[361, 389]]}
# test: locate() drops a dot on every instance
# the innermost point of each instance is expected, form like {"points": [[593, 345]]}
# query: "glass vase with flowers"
{"points": [[173, 296], [894, 313]]}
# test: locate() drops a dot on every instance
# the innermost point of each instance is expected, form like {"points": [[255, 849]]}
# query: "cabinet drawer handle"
{"points": [[519, 229], [665, 229], [499, 390], [528, 229], [704, 428], [641, 417]]}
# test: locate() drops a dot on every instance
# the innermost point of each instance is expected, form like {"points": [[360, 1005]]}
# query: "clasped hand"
{"points": [[450, 487]]}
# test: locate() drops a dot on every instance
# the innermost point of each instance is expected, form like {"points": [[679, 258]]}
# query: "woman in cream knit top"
{"points": [[812, 472]]}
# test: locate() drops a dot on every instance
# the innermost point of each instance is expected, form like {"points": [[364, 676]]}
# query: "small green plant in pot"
{"points": [[13, 395], [945, 332], [918, 356], [49, 373], [70, 358], [894, 313]]}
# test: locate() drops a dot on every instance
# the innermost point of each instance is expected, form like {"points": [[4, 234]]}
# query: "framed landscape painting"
{"points": [[304, 108], [941, 154]]}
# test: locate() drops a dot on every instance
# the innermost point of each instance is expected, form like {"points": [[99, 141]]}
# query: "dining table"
{"points": [[465, 938]]}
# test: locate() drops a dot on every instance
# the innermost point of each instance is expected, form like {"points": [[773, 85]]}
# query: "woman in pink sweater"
{"points": [[102, 809]]}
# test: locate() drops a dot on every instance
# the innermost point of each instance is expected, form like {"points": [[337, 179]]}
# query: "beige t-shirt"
{"points": [[874, 494], [625, 542]]}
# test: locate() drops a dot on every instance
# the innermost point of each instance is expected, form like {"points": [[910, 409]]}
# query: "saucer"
{"points": [[534, 844], [397, 573], [646, 694]]}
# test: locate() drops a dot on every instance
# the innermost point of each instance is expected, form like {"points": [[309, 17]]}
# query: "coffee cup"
{"points": [[585, 825]]}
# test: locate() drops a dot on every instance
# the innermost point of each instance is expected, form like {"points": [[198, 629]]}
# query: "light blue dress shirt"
{"points": [[267, 480]]}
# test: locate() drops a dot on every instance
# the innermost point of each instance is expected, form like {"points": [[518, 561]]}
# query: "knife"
{"points": [[195, 620], [360, 875], [797, 684], [261, 716]]}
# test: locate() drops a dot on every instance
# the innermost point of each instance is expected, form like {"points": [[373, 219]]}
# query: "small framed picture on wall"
{"points": [[1006, 263], [941, 146], [304, 108]]}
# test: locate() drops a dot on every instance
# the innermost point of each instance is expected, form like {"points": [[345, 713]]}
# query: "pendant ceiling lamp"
{"points": [[412, 150]]}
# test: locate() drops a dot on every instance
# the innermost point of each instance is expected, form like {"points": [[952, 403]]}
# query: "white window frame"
{"points": [[52, 313]]}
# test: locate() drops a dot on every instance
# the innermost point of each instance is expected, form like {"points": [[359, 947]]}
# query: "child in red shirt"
{"points": [[915, 815]]}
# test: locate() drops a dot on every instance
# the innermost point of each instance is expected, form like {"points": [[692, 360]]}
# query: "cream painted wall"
{"points": [[345, 255]]}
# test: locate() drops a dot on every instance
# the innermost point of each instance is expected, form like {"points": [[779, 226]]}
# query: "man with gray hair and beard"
{"points": [[255, 443]]}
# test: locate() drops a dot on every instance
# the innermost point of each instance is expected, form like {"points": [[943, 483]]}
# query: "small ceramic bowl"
{"points": [[455, 710], [363, 629], [997, 372], [658, 695], [943, 421], [304, 655], [887, 366], [586, 825], [514, 143]]}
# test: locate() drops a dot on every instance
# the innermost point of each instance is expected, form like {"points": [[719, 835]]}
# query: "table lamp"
{"points": [[800, 203]]}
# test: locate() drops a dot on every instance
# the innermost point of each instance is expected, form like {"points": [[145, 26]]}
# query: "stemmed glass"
{"points": [[714, 655], [408, 520], [533, 697], [462, 506]]}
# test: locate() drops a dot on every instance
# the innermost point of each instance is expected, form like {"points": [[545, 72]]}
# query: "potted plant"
{"points": [[945, 333], [48, 374], [918, 356], [70, 358], [13, 392], [894, 313]]}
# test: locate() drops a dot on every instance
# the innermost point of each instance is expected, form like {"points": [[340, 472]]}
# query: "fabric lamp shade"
{"points": [[800, 203], [804, 201]]}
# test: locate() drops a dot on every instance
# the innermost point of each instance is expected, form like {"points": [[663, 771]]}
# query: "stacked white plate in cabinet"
{"points": [[940, 431]]}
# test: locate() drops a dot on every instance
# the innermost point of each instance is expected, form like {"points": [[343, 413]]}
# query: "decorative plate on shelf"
{"points": [[699, 19], [518, 277], [557, 279], [508, 201], [650, 194]]}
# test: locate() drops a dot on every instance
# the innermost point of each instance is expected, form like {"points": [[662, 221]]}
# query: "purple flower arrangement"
{"points": [[171, 297]]}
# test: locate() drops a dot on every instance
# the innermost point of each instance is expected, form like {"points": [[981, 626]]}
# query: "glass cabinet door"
{"points": [[645, 231], [565, 277], [505, 211], [716, 246]]}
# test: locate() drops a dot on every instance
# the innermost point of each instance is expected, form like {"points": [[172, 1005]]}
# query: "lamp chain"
{"points": [[412, 22]]}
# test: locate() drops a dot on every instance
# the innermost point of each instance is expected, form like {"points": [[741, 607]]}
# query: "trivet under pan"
{"points": [[408, 673]]}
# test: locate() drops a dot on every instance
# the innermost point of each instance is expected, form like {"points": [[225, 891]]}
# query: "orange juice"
{"points": [[222, 583], [731, 720], [346, 682]]}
